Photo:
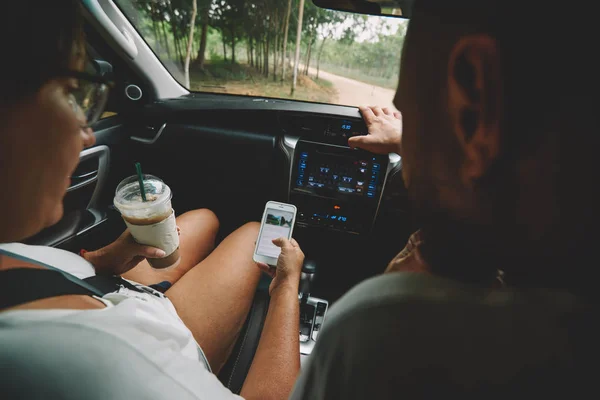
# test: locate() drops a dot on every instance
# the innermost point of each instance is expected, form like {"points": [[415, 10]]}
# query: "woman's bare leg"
{"points": [[214, 297], [198, 231]]}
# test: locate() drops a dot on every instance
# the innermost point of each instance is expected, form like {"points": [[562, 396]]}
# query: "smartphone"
{"points": [[277, 221]]}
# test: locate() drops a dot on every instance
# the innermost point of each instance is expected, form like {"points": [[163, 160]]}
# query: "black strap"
{"points": [[22, 285], [109, 284], [66, 275]]}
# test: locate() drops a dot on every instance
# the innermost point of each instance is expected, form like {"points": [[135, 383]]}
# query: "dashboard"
{"points": [[333, 186], [272, 147]]}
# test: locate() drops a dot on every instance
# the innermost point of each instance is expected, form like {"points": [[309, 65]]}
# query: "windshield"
{"points": [[250, 47]]}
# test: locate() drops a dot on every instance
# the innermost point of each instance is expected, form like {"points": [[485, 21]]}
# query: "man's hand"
{"points": [[385, 131], [289, 265], [121, 255]]}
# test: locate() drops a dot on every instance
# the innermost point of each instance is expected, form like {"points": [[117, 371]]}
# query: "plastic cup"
{"points": [[151, 222]]}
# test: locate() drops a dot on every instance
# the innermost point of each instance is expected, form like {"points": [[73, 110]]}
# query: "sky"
{"points": [[374, 24]]}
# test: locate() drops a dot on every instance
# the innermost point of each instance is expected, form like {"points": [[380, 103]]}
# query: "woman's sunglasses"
{"points": [[89, 95]]}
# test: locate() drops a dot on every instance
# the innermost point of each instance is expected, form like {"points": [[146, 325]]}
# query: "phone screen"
{"points": [[277, 224]]}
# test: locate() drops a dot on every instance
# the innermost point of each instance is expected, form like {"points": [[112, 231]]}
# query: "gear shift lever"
{"points": [[306, 277], [307, 311], [312, 310]]}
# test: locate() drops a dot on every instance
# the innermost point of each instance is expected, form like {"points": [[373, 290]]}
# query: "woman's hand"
{"points": [[122, 255], [289, 265], [385, 131]]}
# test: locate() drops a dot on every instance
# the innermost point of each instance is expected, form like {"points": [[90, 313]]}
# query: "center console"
{"points": [[336, 187]]}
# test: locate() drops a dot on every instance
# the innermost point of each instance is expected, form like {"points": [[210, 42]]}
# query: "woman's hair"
{"points": [[39, 39]]}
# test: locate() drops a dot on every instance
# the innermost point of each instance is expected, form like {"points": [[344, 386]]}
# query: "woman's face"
{"points": [[40, 141]]}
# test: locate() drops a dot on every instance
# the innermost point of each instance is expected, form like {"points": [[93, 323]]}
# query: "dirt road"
{"points": [[356, 93]]}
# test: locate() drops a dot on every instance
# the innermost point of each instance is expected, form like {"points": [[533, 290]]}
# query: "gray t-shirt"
{"points": [[406, 335]]}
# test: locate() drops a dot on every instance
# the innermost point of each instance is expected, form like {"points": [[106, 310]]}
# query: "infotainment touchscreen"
{"points": [[333, 172]]}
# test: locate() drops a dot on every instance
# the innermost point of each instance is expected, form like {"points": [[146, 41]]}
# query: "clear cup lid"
{"points": [[129, 196]]}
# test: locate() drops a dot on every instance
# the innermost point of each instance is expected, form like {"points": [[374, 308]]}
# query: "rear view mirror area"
{"points": [[100, 67], [391, 8]]}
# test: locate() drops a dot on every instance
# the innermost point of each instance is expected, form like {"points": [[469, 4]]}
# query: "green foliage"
{"points": [[221, 70], [221, 76], [252, 32]]}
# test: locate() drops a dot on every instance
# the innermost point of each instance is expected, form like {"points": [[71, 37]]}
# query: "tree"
{"points": [[298, 38], [188, 53], [327, 29], [174, 29], [218, 20], [204, 20], [228, 17], [321, 52], [285, 40], [315, 18]]}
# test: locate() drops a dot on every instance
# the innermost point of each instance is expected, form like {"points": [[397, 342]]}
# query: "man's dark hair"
{"points": [[548, 53], [550, 84], [39, 38]]}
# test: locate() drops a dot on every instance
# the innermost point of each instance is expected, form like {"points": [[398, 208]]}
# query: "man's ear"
{"points": [[475, 99]]}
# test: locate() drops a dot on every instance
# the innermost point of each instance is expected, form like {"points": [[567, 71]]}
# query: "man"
{"points": [[498, 159]]}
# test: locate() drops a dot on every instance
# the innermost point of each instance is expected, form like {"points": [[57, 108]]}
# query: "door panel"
{"points": [[229, 171], [91, 173]]}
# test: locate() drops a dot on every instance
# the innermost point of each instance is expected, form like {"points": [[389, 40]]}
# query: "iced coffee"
{"points": [[150, 221]]}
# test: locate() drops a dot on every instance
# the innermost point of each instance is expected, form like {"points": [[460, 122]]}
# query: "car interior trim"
{"points": [[154, 139], [101, 152]]}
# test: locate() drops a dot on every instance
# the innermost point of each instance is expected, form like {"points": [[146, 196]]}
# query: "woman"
{"points": [[126, 343]]}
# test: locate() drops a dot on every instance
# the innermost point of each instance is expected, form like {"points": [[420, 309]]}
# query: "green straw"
{"points": [[138, 168]]}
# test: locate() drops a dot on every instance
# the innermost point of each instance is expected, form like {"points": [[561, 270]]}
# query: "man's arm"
{"points": [[385, 131], [276, 363], [410, 258]]}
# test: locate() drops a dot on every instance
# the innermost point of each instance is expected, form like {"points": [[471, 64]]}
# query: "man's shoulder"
{"points": [[407, 292], [392, 290], [402, 331], [413, 309]]}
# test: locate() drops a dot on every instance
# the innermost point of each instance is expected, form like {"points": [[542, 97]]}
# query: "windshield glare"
{"points": [[249, 48]]}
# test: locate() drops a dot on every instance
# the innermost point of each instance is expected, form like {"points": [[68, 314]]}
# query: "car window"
{"points": [[111, 107], [247, 47]]}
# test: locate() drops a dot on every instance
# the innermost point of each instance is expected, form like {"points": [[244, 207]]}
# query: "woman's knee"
{"points": [[250, 228], [202, 217], [246, 234]]}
